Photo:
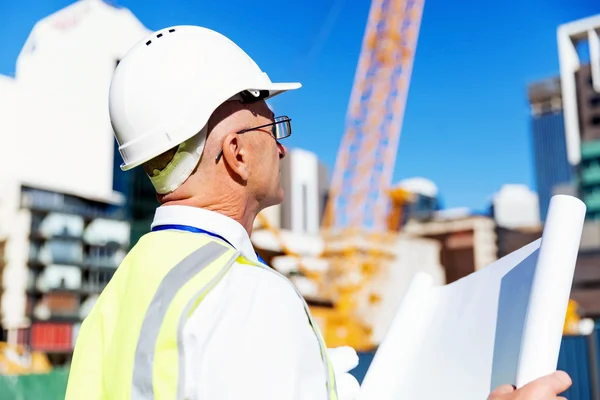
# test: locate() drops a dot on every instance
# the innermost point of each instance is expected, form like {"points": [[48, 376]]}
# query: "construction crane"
{"points": [[367, 155], [356, 225], [358, 220]]}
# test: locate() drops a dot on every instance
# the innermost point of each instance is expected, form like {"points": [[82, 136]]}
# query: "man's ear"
{"points": [[235, 155]]}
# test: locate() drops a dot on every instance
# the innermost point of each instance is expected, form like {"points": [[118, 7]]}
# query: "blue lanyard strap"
{"points": [[193, 229], [190, 229]]}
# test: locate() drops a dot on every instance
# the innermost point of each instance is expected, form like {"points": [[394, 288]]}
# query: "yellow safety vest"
{"points": [[129, 346]]}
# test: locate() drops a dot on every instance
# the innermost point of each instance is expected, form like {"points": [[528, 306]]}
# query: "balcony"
{"points": [[592, 201], [590, 150], [591, 175]]}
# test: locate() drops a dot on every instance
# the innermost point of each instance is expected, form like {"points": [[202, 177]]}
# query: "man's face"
{"points": [[265, 155]]}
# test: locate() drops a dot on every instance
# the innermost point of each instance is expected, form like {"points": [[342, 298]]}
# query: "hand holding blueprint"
{"points": [[500, 325]]}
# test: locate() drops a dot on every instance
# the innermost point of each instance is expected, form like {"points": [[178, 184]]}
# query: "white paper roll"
{"points": [[550, 295]]}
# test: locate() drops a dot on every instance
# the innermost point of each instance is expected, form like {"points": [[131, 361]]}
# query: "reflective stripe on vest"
{"points": [[135, 350], [142, 383]]}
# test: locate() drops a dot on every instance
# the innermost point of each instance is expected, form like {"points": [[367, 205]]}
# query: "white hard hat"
{"points": [[167, 86]]}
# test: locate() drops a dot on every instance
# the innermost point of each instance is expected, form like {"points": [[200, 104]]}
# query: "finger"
{"points": [[562, 381], [554, 383], [501, 391]]}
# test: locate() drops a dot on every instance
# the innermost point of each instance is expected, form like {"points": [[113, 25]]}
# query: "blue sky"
{"points": [[466, 125]]}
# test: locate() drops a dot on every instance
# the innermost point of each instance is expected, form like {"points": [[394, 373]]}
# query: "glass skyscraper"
{"points": [[552, 168], [550, 156]]}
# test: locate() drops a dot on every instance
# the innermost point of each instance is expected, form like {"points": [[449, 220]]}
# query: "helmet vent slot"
{"points": [[158, 36]]}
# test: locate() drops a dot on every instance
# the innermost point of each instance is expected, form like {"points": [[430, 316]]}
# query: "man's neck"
{"points": [[234, 207]]}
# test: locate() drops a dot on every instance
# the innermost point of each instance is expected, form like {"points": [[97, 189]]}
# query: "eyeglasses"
{"points": [[280, 129]]}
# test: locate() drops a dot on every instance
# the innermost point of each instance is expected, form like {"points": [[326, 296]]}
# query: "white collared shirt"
{"points": [[249, 338]]}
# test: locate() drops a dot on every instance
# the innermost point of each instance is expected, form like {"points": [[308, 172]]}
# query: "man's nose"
{"points": [[282, 150]]}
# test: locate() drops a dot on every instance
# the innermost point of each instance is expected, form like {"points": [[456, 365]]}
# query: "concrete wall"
{"points": [[412, 255], [14, 229], [483, 235], [300, 180], [56, 129]]}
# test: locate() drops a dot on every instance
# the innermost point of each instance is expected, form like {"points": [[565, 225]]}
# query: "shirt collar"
{"points": [[211, 221]]}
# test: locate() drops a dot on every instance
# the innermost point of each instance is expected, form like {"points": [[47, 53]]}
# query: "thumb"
{"points": [[500, 391], [554, 383]]}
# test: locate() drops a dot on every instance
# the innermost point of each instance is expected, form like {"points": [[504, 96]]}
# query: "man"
{"points": [[192, 312]]}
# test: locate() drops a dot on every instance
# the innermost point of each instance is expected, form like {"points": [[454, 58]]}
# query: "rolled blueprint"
{"points": [[499, 325], [549, 299]]}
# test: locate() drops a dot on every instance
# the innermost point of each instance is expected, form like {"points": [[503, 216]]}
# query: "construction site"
{"points": [[350, 238]]}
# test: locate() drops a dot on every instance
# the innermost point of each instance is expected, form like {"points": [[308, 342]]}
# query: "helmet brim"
{"points": [[278, 88]]}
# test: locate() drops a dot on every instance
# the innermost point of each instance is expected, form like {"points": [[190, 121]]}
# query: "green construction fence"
{"points": [[50, 386]]}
